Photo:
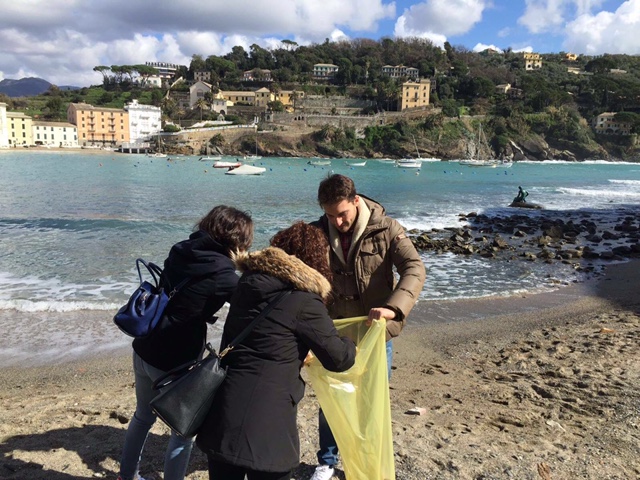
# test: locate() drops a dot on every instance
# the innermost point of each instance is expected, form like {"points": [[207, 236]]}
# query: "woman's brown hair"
{"points": [[308, 243], [230, 227]]}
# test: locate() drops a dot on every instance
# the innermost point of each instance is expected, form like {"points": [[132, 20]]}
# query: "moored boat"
{"points": [[409, 163], [226, 164], [319, 163], [246, 170]]}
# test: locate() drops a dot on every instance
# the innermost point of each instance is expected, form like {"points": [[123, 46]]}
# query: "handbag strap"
{"points": [[254, 322], [176, 372]]}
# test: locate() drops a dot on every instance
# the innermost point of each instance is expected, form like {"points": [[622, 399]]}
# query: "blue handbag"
{"points": [[140, 315]]}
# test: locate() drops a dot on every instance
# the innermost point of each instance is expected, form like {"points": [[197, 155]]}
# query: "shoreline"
{"points": [[98, 151], [510, 389]]}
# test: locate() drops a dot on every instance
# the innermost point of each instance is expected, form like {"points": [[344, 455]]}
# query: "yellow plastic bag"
{"points": [[356, 403]]}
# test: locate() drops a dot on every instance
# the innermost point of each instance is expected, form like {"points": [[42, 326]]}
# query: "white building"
{"points": [[324, 71], [55, 134], [198, 91], [4, 128], [145, 121], [166, 72]]}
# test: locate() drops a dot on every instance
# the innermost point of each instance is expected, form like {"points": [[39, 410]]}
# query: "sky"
{"points": [[62, 41]]}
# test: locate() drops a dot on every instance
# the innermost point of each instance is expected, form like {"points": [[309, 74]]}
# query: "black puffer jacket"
{"points": [[252, 422], [181, 334]]}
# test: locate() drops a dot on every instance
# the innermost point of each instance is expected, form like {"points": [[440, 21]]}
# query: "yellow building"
{"points": [[503, 88], [532, 61], [19, 129], [290, 98], [243, 97], [99, 125], [414, 94], [263, 96]]}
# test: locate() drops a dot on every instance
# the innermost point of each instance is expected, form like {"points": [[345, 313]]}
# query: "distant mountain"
{"points": [[25, 87]]}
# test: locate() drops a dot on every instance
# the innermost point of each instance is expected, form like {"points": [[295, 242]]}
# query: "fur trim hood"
{"points": [[279, 264]]}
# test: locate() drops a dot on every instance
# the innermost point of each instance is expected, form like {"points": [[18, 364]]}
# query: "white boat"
{"points": [[255, 156], [409, 163], [246, 170], [479, 163], [480, 153], [226, 164], [157, 155], [356, 164], [319, 163], [209, 158]]}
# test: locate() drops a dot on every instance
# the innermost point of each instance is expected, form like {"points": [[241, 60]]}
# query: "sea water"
{"points": [[72, 225]]}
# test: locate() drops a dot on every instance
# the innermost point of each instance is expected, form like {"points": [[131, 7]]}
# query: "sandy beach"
{"points": [[531, 387]]}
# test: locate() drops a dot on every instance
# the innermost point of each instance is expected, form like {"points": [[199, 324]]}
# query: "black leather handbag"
{"points": [[187, 392]]}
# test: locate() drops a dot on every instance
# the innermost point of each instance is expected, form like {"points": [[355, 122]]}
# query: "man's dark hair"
{"points": [[230, 227], [336, 188]]}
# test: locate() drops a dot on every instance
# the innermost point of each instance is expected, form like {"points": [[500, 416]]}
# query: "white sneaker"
{"points": [[323, 472]]}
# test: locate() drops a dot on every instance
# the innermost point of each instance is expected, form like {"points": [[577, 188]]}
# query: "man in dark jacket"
{"points": [[366, 245]]}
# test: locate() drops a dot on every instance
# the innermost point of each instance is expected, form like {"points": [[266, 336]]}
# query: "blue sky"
{"points": [[62, 40]]}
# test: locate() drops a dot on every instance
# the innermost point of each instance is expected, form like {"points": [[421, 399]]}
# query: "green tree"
{"points": [[104, 70], [201, 104], [53, 107]]}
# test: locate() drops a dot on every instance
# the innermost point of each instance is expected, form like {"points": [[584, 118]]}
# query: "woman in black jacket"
{"points": [[180, 336], [251, 428]]}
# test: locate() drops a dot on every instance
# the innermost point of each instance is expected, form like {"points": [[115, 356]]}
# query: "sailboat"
{"points": [[410, 162], [480, 153], [256, 156]]}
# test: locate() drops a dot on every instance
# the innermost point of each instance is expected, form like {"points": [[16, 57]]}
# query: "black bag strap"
{"points": [[154, 270], [254, 322], [178, 371], [157, 274]]}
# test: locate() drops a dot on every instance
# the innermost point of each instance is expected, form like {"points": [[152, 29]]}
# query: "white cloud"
{"points": [[606, 32], [527, 49], [438, 19], [481, 47], [62, 40], [542, 16]]}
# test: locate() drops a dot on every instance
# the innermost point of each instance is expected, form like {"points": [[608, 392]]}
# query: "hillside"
{"points": [[25, 87], [540, 111]]}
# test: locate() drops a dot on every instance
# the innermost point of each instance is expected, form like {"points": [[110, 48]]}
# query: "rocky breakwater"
{"points": [[580, 238]]}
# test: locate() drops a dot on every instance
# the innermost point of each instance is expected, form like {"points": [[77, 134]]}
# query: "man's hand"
{"points": [[378, 313]]}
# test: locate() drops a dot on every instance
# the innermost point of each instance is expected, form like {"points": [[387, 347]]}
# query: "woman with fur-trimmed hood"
{"points": [[251, 428]]}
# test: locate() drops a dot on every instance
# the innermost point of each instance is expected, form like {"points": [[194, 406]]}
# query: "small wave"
{"points": [[53, 306], [625, 182], [592, 192]]}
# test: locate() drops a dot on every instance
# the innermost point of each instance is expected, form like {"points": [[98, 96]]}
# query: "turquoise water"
{"points": [[72, 225]]}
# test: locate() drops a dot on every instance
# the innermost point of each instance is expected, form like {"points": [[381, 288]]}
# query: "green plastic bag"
{"points": [[356, 403]]}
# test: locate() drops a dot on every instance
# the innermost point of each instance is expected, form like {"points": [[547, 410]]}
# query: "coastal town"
{"points": [[262, 117]]}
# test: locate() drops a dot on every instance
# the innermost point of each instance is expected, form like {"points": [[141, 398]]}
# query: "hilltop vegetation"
{"points": [[548, 106]]}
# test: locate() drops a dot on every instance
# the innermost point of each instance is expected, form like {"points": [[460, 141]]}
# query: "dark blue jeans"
{"points": [[328, 453]]}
